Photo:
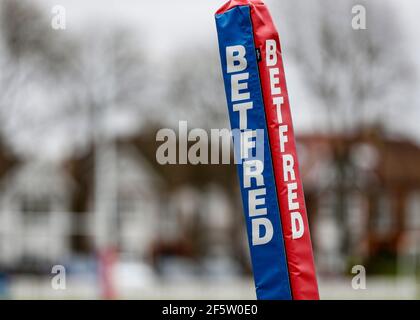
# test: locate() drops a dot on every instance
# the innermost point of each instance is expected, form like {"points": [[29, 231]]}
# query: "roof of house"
{"points": [[397, 162]]}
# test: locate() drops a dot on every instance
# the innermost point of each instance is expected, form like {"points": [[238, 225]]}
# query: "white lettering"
{"points": [[257, 239]]}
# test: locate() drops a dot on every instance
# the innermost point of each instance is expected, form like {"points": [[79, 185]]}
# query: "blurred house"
{"points": [[381, 197], [41, 217], [198, 229], [184, 219], [34, 218], [138, 206], [173, 218]]}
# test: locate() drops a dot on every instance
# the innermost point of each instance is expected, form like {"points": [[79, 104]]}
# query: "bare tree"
{"points": [[357, 77], [33, 59], [196, 88], [74, 86], [110, 80]]}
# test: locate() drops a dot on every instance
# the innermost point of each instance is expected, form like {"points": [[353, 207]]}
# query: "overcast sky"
{"points": [[165, 24], [167, 21]]}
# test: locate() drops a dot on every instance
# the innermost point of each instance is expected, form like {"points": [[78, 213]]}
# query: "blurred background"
{"points": [[80, 186]]}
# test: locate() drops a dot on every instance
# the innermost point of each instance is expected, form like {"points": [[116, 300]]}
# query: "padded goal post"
{"points": [[271, 187]]}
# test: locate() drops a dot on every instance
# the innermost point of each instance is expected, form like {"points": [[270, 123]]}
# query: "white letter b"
{"points": [[235, 58]]}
